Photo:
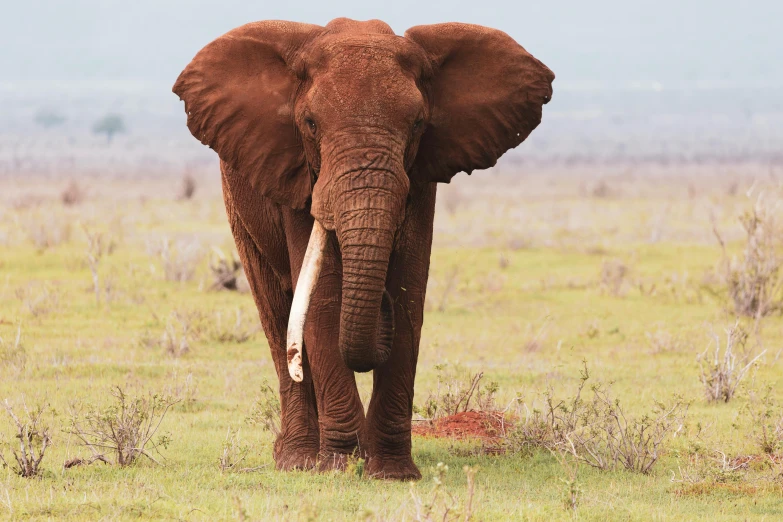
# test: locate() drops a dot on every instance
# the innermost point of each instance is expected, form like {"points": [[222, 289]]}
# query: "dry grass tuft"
{"points": [[236, 330], [722, 370], [182, 328], [663, 341], [457, 391], [44, 230], [38, 299], [13, 355], [179, 260], [439, 505], [34, 439], [234, 453]]}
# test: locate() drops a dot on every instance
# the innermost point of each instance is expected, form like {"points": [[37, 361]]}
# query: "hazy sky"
{"points": [[607, 43]]}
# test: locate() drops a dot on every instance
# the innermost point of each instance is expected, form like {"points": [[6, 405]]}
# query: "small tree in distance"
{"points": [[109, 125], [49, 118]]}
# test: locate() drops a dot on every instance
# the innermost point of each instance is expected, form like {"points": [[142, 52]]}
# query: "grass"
{"points": [[524, 303]]}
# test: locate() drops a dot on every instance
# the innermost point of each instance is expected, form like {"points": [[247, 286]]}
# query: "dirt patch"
{"points": [[487, 426]]}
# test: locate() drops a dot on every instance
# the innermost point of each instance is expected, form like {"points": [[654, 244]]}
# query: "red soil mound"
{"points": [[488, 426]]}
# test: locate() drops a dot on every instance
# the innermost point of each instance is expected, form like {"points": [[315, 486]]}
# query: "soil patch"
{"points": [[487, 426]]}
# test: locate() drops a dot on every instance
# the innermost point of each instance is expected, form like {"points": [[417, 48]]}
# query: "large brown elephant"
{"points": [[332, 141]]}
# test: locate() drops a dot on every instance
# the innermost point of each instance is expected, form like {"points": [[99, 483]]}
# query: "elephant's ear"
{"points": [[487, 94], [238, 93]]}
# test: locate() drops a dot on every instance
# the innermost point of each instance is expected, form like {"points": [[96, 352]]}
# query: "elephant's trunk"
{"points": [[368, 207], [366, 316]]}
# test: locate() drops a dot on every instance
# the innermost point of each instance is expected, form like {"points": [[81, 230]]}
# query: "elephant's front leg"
{"points": [[391, 407], [340, 411]]}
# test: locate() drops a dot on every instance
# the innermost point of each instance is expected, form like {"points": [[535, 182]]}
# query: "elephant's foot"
{"points": [[290, 456], [392, 468], [291, 460]]}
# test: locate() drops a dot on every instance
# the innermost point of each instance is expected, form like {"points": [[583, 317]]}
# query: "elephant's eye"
{"points": [[310, 125], [417, 125]]}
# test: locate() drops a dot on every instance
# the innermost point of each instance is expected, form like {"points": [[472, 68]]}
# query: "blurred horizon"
{"points": [[668, 80]]}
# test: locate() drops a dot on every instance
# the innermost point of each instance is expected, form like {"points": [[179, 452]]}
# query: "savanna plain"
{"points": [[615, 330]]}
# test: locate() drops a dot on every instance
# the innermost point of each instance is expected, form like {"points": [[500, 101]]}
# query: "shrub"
{"points": [[266, 410], [225, 273], [72, 194], [721, 373], [753, 280], [597, 431], [34, 439], [613, 276], [126, 428], [188, 189], [766, 421]]}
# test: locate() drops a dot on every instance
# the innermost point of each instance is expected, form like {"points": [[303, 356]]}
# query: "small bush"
{"points": [[455, 392], [226, 273], [614, 274], [188, 189], [72, 195], [34, 439], [722, 370], [766, 421], [597, 431], [126, 428], [754, 280], [266, 410]]}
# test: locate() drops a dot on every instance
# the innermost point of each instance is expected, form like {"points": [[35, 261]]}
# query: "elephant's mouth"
{"points": [[308, 277]]}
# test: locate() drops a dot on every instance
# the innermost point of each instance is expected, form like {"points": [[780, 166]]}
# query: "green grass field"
{"points": [[516, 292]]}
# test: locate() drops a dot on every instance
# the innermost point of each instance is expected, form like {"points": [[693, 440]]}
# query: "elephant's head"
{"points": [[346, 118]]}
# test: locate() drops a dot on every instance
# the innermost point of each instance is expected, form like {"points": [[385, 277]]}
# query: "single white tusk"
{"points": [[308, 275]]}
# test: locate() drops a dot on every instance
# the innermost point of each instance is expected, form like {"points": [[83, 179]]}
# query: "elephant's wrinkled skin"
{"points": [[353, 126]]}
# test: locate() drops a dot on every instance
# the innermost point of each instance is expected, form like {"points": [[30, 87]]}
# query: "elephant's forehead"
{"points": [[353, 69], [367, 49]]}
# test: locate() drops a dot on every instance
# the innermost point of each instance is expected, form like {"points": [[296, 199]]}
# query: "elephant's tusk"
{"points": [[308, 275]]}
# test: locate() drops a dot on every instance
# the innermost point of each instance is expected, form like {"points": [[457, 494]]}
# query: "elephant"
{"points": [[332, 140]]}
